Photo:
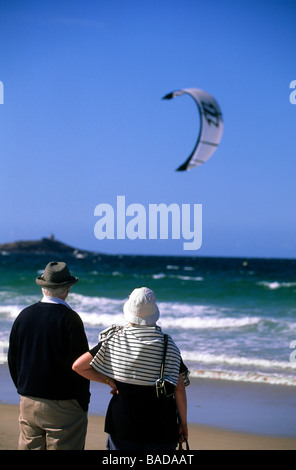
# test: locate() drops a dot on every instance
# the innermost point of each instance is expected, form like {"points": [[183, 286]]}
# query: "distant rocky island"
{"points": [[45, 245]]}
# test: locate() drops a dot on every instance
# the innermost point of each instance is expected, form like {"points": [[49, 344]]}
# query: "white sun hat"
{"points": [[141, 308]]}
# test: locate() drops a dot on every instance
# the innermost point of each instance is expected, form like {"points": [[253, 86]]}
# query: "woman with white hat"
{"points": [[129, 360]]}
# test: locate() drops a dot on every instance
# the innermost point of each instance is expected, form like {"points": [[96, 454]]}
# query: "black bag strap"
{"points": [[165, 337]]}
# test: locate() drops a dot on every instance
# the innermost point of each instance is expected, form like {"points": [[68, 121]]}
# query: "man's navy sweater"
{"points": [[45, 340]]}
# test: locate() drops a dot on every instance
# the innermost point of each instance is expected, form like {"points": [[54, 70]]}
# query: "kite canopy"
{"points": [[211, 126]]}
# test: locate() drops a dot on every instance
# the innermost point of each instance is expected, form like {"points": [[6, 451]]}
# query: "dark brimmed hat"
{"points": [[56, 274]]}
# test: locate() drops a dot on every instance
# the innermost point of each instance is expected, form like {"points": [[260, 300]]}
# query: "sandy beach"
{"points": [[222, 415], [200, 437]]}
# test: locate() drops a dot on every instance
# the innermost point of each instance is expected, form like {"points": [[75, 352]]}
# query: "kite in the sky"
{"points": [[211, 126]]}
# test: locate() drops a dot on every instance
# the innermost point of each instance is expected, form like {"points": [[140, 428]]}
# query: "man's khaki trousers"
{"points": [[51, 424]]}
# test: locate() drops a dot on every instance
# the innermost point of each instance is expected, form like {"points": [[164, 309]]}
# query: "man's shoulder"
{"points": [[29, 308], [50, 313], [26, 314], [49, 308]]}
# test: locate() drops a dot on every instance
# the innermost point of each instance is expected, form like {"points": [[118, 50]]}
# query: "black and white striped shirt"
{"points": [[133, 354]]}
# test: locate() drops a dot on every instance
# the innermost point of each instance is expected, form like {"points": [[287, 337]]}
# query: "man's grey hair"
{"points": [[55, 291]]}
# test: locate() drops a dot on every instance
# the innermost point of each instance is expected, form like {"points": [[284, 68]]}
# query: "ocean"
{"points": [[233, 319]]}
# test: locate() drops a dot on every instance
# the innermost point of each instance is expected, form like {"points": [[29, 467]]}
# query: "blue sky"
{"points": [[83, 120]]}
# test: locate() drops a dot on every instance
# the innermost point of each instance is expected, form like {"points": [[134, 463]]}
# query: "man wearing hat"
{"points": [[45, 340]]}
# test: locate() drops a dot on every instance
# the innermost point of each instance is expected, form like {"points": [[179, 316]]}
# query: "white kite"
{"points": [[211, 126]]}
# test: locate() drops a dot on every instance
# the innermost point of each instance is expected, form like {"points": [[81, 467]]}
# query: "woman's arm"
{"points": [[82, 367], [181, 402]]}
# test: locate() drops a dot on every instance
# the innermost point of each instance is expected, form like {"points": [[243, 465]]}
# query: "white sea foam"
{"points": [[159, 276], [88, 305], [98, 311], [181, 309], [245, 377], [211, 323], [276, 285], [177, 276], [174, 267], [102, 319], [105, 311], [95, 310], [3, 351], [9, 311], [190, 278], [222, 359]]}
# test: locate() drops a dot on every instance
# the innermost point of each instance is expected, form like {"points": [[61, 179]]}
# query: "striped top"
{"points": [[133, 354]]}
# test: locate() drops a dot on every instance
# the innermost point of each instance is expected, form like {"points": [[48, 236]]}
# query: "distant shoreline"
{"points": [[51, 246], [44, 245]]}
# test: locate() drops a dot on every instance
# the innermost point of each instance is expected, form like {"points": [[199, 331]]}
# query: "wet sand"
{"points": [[200, 437]]}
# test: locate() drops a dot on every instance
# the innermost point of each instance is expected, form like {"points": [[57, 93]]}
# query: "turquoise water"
{"points": [[232, 319]]}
